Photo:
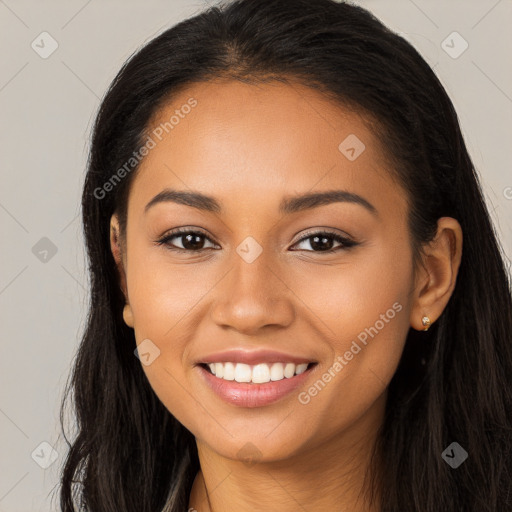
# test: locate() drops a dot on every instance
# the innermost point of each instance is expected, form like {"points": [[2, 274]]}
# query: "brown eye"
{"points": [[323, 241], [190, 240]]}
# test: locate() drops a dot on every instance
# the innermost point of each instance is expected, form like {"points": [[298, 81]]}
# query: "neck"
{"points": [[331, 475]]}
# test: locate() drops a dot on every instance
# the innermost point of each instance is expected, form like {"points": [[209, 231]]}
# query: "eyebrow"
{"points": [[288, 205]]}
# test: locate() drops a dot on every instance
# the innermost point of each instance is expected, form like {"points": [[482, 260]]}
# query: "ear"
{"points": [[118, 254], [437, 273]]}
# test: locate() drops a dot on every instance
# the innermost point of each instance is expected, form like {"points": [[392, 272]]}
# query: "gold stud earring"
{"points": [[426, 322]]}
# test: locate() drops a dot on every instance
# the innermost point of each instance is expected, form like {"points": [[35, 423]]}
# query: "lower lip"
{"points": [[246, 394]]}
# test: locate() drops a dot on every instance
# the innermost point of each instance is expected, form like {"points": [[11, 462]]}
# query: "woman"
{"points": [[297, 297]]}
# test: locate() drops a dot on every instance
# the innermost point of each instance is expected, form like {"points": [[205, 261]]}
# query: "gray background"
{"points": [[47, 108]]}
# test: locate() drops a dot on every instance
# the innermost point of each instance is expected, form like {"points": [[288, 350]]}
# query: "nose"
{"points": [[253, 296]]}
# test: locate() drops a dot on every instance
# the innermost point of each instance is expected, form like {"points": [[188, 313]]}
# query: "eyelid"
{"points": [[327, 231], [184, 231]]}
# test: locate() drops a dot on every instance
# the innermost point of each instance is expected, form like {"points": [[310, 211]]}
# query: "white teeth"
{"points": [[257, 374], [301, 368], [261, 373], [289, 370], [229, 371], [277, 371], [242, 372]]}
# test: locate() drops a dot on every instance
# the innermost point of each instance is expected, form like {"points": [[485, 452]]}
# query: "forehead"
{"points": [[234, 140]]}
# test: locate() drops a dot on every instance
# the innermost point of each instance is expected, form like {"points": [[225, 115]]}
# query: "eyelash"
{"points": [[346, 242]]}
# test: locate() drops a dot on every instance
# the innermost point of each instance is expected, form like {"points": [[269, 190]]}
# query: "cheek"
{"points": [[161, 301], [363, 309], [350, 297], [162, 294]]}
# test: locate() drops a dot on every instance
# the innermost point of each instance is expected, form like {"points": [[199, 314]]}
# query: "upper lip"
{"points": [[252, 357]]}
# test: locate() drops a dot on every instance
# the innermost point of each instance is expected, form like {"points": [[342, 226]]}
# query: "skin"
{"points": [[249, 146]]}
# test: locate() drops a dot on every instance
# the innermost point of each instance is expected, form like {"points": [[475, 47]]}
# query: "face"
{"points": [[326, 280]]}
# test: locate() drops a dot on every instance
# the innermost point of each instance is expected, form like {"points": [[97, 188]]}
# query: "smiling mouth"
{"points": [[258, 373]]}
